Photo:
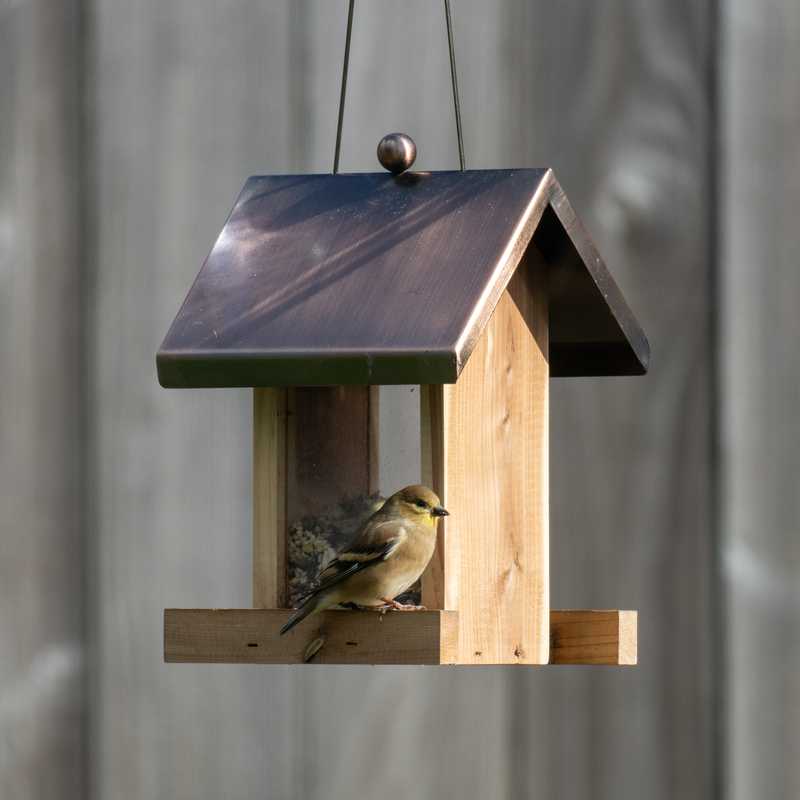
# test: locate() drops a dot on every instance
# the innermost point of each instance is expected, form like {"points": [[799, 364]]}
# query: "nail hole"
{"points": [[352, 644], [252, 644]]}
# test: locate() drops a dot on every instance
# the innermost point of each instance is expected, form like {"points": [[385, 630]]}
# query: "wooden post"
{"points": [[269, 498], [489, 433], [433, 459]]}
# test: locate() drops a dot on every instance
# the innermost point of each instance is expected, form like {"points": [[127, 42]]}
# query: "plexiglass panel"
{"points": [[348, 447]]}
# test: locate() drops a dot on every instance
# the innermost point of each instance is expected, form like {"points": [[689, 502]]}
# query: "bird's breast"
{"points": [[392, 577]]}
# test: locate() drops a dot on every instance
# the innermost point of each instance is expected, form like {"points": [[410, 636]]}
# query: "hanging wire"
{"points": [[343, 92], [454, 76]]}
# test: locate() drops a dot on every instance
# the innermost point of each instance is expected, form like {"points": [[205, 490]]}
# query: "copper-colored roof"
{"points": [[377, 279]]}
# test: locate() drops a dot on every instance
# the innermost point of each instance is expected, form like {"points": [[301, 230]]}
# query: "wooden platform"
{"points": [[250, 636]]}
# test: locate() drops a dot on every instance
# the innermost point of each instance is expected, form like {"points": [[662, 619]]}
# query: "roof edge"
{"points": [[220, 369], [504, 269], [549, 193]]}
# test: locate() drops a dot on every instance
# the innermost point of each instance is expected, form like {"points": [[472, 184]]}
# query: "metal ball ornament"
{"points": [[396, 152]]}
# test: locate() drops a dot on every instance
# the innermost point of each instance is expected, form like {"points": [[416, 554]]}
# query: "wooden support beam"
{"points": [[434, 591], [593, 637], [250, 636], [269, 498], [485, 452]]}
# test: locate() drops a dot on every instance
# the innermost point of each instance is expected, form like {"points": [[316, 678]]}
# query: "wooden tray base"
{"points": [[250, 636]]}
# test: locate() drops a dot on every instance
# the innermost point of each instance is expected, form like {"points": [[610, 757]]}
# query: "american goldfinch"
{"points": [[386, 557]]}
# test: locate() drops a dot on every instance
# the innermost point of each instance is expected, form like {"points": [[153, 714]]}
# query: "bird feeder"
{"points": [[477, 286]]}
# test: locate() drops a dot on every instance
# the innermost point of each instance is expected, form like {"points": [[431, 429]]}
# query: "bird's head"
{"points": [[418, 503]]}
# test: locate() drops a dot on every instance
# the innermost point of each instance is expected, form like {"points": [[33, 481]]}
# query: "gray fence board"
{"points": [[42, 644], [187, 99], [760, 122], [621, 112]]}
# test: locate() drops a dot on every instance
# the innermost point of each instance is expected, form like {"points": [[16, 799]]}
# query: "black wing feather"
{"points": [[347, 568]]}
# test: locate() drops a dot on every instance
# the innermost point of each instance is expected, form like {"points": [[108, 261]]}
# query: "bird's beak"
{"points": [[440, 511]]}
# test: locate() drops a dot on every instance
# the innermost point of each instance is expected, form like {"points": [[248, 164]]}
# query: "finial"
{"points": [[396, 152]]}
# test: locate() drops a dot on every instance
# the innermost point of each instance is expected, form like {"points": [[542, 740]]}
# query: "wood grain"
{"points": [[495, 450], [593, 637], [269, 498], [433, 458], [250, 636]]}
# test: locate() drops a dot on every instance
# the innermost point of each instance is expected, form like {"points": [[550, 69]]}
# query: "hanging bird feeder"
{"points": [[476, 285]]}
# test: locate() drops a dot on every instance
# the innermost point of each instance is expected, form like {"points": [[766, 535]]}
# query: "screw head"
{"points": [[396, 152]]}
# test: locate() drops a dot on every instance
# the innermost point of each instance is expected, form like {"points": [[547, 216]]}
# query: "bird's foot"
{"points": [[380, 609], [393, 604]]}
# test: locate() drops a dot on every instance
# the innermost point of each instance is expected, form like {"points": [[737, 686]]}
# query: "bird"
{"points": [[387, 555]]}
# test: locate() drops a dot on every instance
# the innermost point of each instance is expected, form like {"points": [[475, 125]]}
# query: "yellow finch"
{"points": [[386, 557]]}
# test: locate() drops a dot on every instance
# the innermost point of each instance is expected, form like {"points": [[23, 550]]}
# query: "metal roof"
{"points": [[381, 279]]}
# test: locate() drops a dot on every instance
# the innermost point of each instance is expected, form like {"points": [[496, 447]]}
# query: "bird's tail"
{"points": [[311, 606]]}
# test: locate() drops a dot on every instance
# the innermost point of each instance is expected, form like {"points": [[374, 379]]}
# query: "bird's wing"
{"points": [[376, 542]]}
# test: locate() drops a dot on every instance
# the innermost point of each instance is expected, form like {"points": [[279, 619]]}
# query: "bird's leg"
{"points": [[402, 606], [356, 607]]}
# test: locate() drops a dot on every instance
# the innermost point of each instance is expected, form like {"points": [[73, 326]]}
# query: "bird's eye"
{"points": [[420, 504]]}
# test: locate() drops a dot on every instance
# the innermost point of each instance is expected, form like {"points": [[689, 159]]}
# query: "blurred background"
{"points": [[126, 132]]}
